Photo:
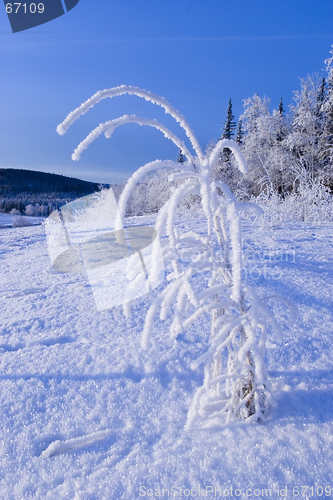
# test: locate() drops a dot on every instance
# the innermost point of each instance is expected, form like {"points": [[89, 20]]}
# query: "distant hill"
{"points": [[42, 192], [16, 181]]}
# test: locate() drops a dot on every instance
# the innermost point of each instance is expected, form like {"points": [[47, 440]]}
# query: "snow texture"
{"points": [[70, 375]]}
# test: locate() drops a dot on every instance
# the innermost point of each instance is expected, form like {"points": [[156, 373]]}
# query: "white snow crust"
{"points": [[86, 413]]}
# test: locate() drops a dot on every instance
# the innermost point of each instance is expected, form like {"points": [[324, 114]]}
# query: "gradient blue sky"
{"points": [[195, 53]]}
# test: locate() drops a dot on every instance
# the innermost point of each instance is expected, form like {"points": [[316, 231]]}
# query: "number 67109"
{"points": [[32, 8]]}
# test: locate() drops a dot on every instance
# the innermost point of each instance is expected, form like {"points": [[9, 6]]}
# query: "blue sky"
{"points": [[195, 53]]}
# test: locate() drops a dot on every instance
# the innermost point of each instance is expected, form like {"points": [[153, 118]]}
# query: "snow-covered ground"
{"points": [[7, 220], [87, 414]]}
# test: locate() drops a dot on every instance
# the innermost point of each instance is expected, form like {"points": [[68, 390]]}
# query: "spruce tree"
{"points": [[181, 158], [281, 134], [239, 132], [229, 124], [281, 108], [321, 96]]}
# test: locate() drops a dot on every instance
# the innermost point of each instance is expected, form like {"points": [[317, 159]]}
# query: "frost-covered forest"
{"points": [[289, 152]]}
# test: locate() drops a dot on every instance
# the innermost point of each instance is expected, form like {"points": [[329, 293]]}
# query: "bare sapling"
{"points": [[235, 384]]}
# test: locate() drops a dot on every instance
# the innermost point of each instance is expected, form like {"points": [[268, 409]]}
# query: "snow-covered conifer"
{"points": [[328, 120], [224, 170], [280, 116], [181, 158], [239, 132], [229, 125]]}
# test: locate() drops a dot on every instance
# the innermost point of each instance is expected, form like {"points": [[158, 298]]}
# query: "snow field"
{"points": [[8, 220], [87, 414]]}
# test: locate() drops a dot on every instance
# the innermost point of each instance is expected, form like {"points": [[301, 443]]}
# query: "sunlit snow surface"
{"points": [[7, 220], [86, 414]]}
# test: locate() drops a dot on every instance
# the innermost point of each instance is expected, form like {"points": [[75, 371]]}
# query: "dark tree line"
{"points": [[46, 192]]}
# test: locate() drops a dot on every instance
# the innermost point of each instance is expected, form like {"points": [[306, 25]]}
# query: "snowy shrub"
{"points": [[31, 210], [36, 210], [315, 203], [204, 271], [14, 211], [273, 208], [150, 194], [153, 191], [310, 201], [20, 221]]}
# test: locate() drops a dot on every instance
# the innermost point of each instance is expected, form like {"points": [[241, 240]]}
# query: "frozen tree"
{"points": [[279, 157], [321, 98], [229, 125], [151, 193], [204, 272], [224, 168], [309, 201], [31, 210], [306, 140], [239, 132], [281, 125], [181, 158], [327, 109], [255, 120], [314, 201], [264, 147]]}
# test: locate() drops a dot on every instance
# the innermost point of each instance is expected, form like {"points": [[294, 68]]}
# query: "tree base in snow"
{"points": [[209, 409]]}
